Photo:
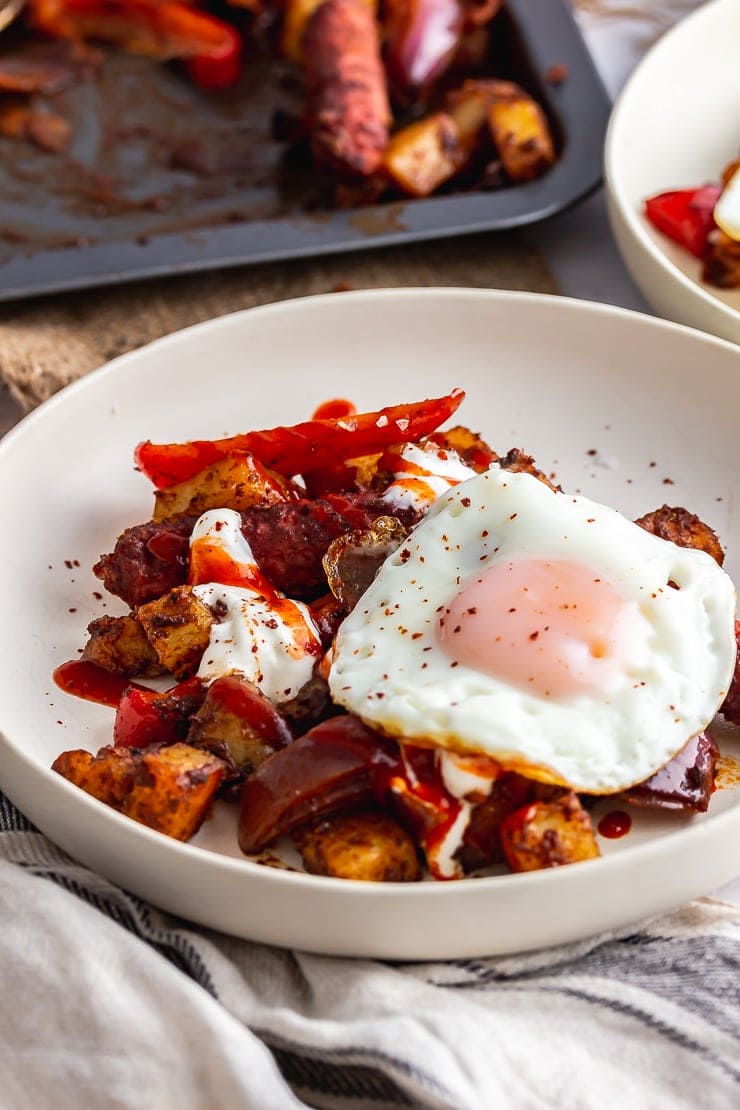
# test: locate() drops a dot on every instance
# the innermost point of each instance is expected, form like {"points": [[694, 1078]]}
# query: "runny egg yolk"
{"points": [[549, 626]]}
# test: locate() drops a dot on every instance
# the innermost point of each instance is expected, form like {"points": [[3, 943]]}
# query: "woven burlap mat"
{"points": [[48, 342]]}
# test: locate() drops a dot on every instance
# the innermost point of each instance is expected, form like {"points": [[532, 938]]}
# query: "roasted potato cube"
{"points": [[239, 724], [519, 463], [548, 834], [120, 645], [173, 789], [683, 528], [469, 106], [722, 260], [108, 776], [369, 846], [178, 626], [521, 133], [423, 155], [473, 450], [236, 482]]}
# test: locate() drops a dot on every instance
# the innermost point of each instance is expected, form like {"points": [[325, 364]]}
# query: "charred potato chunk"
{"points": [[722, 260], [239, 724], [237, 482], [424, 155], [684, 529], [120, 645], [178, 626], [173, 789], [521, 134], [108, 776], [473, 450], [369, 846], [548, 834], [518, 463]]}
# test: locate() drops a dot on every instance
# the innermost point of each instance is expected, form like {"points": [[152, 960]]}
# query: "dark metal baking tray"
{"points": [[126, 203]]}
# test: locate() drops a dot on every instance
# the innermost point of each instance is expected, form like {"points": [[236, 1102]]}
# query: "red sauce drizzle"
{"points": [[615, 824], [334, 409], [88, 681]]}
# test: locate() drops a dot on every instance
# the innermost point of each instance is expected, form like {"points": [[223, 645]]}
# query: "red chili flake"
{"points": [[71, 610], [533, 635], [423, 667], [465, 501], [405, 555], [97, 596], [513, 516], [668, 482], [653, 464], [592, 452], [590, 519], [427, 649], [457, 628], [68, 564], [454, 663], [512, 610], [472, 610], [483, 535], [556, 75], [416, 635]]}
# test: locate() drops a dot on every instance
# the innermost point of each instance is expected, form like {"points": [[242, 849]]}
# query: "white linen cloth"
{"points": [[94, 1017], [110, 1003]]}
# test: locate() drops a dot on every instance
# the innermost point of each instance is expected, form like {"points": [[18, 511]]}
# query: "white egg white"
{"points": [[727, 208], [389, 669]]}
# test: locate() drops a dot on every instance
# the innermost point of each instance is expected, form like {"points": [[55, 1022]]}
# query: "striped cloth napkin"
{"points": [[110, 1003]]}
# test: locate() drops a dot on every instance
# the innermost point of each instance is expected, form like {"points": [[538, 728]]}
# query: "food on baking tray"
{"points": [[396, 647], [394, 98], [706, 222]]}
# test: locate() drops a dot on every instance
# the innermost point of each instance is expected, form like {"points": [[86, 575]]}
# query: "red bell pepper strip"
{"points": [[162, 29], [146, 717], [685, 215], [302, 448]]}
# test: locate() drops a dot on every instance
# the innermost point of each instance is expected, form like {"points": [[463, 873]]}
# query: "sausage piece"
{"points": [[684, 529], [348, 108]]}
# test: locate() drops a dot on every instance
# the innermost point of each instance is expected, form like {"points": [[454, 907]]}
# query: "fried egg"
{"points": [[543, 630], [727, 209]]}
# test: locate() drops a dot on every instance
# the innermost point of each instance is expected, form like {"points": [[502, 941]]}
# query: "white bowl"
{"points": [[560, 378], [677, 125]]}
